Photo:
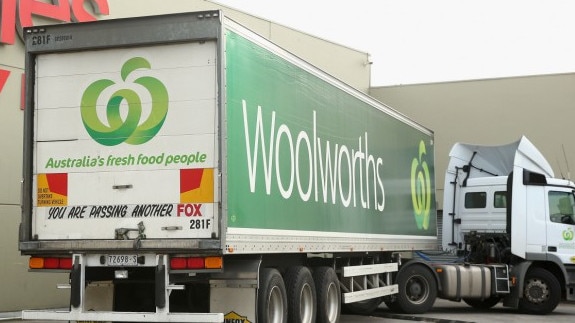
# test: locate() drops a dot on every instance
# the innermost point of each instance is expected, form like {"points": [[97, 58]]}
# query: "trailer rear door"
{"points": [[125, 143]]}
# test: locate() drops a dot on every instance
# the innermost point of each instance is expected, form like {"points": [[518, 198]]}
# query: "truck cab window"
{"points": [[475, 200], [561, 207], [500, 200]]}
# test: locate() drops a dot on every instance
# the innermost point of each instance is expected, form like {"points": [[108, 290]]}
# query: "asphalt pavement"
{"points": [[458, 312], [443, 312]]}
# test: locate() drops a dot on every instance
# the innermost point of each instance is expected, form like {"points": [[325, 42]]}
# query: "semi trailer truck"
{"points": [[182, 168]]}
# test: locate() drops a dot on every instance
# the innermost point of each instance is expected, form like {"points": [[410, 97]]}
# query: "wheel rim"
{"points": [[276, 307], [332, 305], [417, 289], [306, 304], [536, 291]]}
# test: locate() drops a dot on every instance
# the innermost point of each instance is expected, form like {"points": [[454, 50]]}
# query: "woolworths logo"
{"points": [[313, 167], [128, 128], [421, 188], [568, 234]]}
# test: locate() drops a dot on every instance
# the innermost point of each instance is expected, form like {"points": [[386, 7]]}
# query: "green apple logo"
{"points": [[130, 130], [421, 189], [568, 234]]}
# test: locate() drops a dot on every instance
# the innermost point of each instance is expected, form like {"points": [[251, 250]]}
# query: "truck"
{"points": [[503, 205], [182, 168], [507, 235]]}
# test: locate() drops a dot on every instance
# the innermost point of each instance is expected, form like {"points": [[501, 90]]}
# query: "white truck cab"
{"points": [[502, 204]]}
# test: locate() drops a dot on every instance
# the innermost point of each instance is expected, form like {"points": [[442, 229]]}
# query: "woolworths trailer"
{"points": [[182, 168]]}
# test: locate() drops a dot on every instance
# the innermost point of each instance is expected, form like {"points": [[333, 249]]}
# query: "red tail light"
{"points": [[66, 263], [196, 263], [180, 263], [50, 263]]}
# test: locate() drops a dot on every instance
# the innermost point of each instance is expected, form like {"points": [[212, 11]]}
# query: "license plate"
{"points": [[122, 260]]}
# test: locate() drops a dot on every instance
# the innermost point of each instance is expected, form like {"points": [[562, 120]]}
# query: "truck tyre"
{"points": [[272, 298], [328, 295], [417, 289], [393, 305], [363, 307], [301, 295], [541, 292], [483, 304]]}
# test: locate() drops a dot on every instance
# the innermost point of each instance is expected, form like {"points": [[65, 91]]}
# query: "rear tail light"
{"points": [[36, 263], [214, 263], [196, 263], [50, 263], [180, 263], [66, 263]]}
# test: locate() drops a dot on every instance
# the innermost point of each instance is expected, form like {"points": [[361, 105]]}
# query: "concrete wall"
{"points": [[345, 63], [493, 112], [20, 289]]}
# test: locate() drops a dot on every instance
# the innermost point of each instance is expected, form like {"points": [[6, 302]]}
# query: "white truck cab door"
{"points": [[561, 224]]}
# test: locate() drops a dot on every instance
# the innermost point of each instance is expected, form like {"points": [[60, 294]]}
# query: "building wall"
{"points": [[482, 111], [19, 287], [345, 63], [23, 290], [493, 112]]}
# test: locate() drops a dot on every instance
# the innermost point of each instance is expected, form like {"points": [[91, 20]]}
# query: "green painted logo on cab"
{"points": [[568, 234], [421, 189], [128, 129]]}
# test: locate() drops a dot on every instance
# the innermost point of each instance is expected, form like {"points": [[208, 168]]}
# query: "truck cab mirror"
{"points": [[567, 219]]}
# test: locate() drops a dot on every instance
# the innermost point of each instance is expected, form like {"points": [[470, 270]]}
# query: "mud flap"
{"points": [[76, 285], [160, 286], [234, 292], [519, 271]]}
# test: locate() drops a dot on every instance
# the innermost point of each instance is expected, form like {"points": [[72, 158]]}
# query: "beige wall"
{"points": [[492, 112], [345, 63], [23, 290], [19, 288]]}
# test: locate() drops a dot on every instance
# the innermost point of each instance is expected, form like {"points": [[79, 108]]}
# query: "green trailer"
{"points": [[183, 168]]}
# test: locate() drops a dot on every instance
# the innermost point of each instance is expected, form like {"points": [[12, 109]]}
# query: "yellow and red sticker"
{"points": [[234, 317], [52, 189], [197, 185]]}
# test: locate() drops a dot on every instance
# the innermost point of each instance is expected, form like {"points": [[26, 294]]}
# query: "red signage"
{"points": [[3, 78], [17, 14], [14, 15]]}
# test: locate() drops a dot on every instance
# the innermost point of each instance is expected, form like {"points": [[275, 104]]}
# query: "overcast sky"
{"points": [[420, 41]]}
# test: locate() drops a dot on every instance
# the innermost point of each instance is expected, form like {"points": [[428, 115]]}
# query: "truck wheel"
{"points": [[328, 295], [483, 304], [363, 307], [541, 292], [417, 289], [301, 295], [272, 299], [393, 306]]}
